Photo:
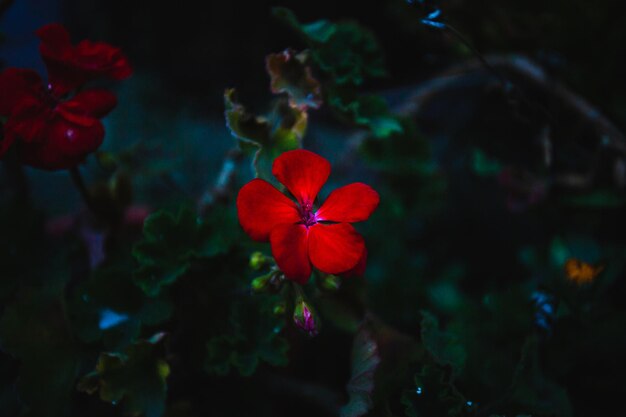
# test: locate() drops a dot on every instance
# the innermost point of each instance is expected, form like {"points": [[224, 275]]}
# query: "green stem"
{"points": [[77, 179]]}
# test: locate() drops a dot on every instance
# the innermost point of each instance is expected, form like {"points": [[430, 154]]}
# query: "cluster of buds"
{"points": [[304, 316]]}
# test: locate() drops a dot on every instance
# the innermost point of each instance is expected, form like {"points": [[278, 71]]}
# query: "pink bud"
{"points": [[304, 318]]}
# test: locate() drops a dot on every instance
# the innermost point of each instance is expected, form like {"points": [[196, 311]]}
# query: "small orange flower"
{"points": [[581, 272]]}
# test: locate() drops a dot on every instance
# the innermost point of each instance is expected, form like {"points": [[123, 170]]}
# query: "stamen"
{"points": [[307, 214]]}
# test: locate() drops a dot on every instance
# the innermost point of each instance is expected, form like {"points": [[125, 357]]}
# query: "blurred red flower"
{"points": [[50, 133], [70, 67], [299, 234], [51, 128]]}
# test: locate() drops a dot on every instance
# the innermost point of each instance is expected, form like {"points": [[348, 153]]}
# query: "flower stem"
{"points": [[17, 177], [77, 179]]}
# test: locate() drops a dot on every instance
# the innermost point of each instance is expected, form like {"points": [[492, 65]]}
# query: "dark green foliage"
{"points": [[365, 361], [443, 346], [347, 54], [290, 74], [253, 336], [370, 112], [34, 330], [136, 378], [111, 291], [346, 51], [171, 243], [264, 138]]}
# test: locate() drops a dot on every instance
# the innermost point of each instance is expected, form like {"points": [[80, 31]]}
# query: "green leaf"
{"points": [[319, 31], [109, 307], [346, 51], [433, 394], [483, 165], [171, 243], [248, 128], [137, 378], [365, 361], [533, 391], [254, 336], [370, 112], [290, 74], [264, 138], [34, 330], [444, 346], [597, 199]]}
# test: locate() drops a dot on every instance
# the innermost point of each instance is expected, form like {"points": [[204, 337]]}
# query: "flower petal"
{"points": [[289, 247], [28, 120], [103, 59], [64, 144], [335, 248], [57, 53], [70, 66], [17, 84], [302, 172], [87, 105], [359, 269], [351, 203], [55, 39], [261, 207]]}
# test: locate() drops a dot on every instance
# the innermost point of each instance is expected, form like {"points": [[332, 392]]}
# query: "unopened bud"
{"points": [[331, 282], [304, 318], [260, 284], [279, 309], [257, 260]]}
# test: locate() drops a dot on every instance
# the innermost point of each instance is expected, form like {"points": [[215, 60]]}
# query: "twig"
{"points": [[522, 67], [221, 189], [77, 179]]}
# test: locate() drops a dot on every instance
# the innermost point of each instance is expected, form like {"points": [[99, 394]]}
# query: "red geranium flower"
{"points": [[51, 130], [71, 66], [50, 133], [299, 234]]}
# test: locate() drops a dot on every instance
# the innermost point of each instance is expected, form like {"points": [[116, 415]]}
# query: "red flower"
{"points": [[50, 133], [71, 66], [299, 234], [50, 130]]}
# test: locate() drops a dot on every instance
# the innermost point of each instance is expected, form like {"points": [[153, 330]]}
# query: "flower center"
{"points": [[307, 214], [48, 97]]}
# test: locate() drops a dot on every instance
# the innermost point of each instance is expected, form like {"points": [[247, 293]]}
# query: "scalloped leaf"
{"points": [[369, 111], [443, 346], [290, 74], [346, 51], [264, 138], [135, 378], [365, 361], [172, 242], [110, 308], [253, 337]]}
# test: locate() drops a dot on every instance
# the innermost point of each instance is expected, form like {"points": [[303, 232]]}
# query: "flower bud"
{"points": [[279, 309], [257, 260], [304, 318], [260, 284], [331, 282]]}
